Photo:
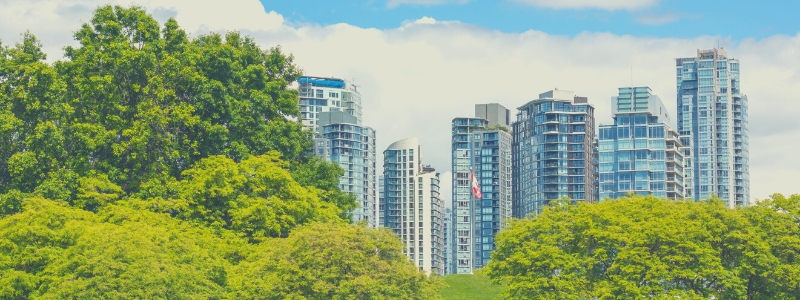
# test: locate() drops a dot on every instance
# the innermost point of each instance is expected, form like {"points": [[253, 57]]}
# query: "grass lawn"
{"points": [[465, 286]]}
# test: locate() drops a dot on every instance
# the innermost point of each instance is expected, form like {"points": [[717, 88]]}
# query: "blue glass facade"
{"points": [[481, 147], [552, 152], [331, 109], [353, 148], [639, 153], [712, 115]]}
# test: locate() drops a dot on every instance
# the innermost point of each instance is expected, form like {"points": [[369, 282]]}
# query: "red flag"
{"points": [[476, 188]]}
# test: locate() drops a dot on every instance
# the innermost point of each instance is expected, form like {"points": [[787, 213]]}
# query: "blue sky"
{"points": [[736, 19]]}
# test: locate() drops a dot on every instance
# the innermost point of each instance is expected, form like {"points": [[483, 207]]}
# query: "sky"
{"points": [[421, 63]]}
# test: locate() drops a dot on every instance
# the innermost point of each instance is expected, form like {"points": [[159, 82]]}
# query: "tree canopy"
{"points": [[52, 251], [141, 103], [645, 247], [151, 165]]}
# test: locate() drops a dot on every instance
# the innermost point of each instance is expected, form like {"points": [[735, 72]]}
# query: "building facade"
{"points": [[378, 214], [552, 153], [321, 94], [640, 153], [447, 251], [712, 114], [480, 146], [412, 207], [341, 140], [331, 108]]}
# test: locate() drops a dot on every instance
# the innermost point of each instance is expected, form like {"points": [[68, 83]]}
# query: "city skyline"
{"points": [[420, 73]]}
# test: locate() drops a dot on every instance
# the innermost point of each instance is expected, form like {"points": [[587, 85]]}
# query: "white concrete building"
{"points": [[411, 205], [320, 94]]}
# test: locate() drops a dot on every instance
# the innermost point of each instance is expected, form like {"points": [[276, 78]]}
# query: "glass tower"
{"points": [[412, 207], [712, 115], [480, 146], [341, 140], [640, 153], [332, 110], [447, 259], [552, 153]]}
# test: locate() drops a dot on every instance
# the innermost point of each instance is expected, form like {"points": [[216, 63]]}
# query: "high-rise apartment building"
{"points": [[379, 215], [640, 153], [320, 94], [412, 206], [447, 251], [332, 110], [480, 146], [552, 153], [712, 114], [342, 140]]}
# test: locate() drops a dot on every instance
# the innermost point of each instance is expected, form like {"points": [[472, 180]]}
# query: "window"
{"points": [[606, 177], [640, 131], [624, 176], [623, 132], [657, 132], [623, 120], [624, 155], [607, 133], [641, 154]]}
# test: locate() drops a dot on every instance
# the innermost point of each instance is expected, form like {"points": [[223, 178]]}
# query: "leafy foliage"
{"points": [[49, 250], [149, 165], [644, 247], [139, 103], [257, 197], [53, 251], [320, 261]]}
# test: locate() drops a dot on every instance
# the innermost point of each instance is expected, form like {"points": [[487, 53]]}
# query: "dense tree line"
{"points": [[648, 248], [148, 164]]}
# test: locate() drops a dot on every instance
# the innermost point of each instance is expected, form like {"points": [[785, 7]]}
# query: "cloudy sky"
{"points": [[420, 63]]}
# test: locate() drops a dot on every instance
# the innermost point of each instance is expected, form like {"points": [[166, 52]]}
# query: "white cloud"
{"points": [[396, 3], [658, 19], [53, 21], [591, 4], [416, 78], [663, 18]]}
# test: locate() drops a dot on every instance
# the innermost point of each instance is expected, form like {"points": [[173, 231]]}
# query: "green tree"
{"points": [[257, 197], [141, 103], [328, 261], [151, 165], [31, 145], [644, 247], [49, 250]]}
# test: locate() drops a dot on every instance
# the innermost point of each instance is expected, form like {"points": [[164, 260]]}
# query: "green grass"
{"points": [[473, 287]]}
